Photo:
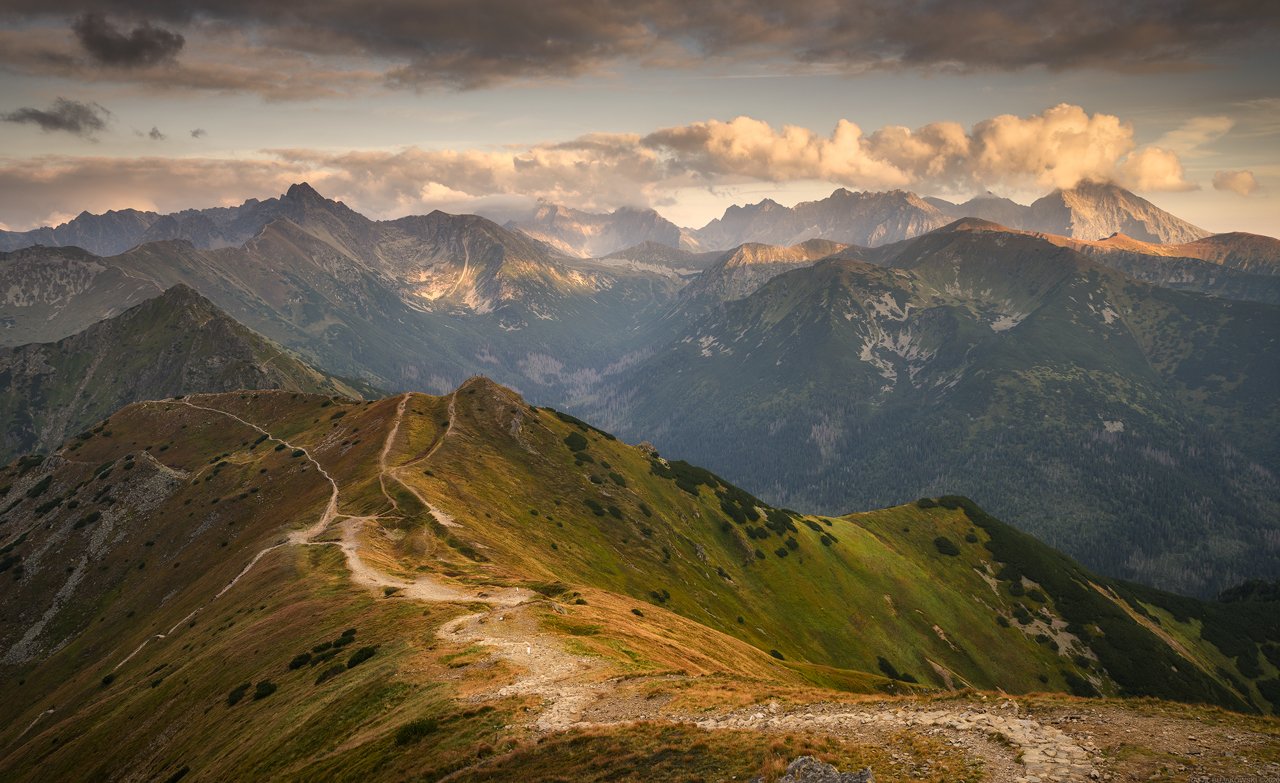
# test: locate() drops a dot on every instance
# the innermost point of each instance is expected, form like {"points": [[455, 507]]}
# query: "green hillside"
{"points": [[175, 343], [1132, 426], [185, 548]]}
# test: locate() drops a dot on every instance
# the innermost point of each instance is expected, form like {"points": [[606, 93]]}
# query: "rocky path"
{"points": [[1040, 753], [567, 683], [573, 688]]}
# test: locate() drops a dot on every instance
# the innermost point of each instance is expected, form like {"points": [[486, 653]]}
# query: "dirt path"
{"points": [[441, 516], [567, 683], [1039, 752], [572, 686]]}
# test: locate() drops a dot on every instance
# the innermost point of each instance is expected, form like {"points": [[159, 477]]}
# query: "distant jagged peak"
{"points": [[304, 192]]}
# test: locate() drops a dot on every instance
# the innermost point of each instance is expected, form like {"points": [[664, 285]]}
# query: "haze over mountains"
{"points": [[1089, 211], [825, 375]]}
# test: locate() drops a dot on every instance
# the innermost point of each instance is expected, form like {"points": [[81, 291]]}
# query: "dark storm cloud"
{"points": [[82, 119], [107, 44], [199, 133], [156, 135], [474, 43]]}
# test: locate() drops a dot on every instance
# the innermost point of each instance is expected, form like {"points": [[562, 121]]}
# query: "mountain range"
{"points": [[173, 344], [1106, 415], [473, 588], [975, 357], [1089, 211]]}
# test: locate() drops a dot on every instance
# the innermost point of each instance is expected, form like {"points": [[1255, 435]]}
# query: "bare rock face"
{"points": [[807, 769], [1094, 211], [865, 219]]}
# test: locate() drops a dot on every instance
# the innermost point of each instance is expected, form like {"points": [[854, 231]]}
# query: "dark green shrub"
{"points": [[595, 507], [360, 656], [300, 660], [1247, 663], [946, 546], [777, 655], [263, 689], [926, 503], [1270, 690], [87, 519], [782, 551], [413, 731], [237, 693], [575, 441], [330, 673], [637, 613], [107, 680], [38, 489], [1079, 686]]}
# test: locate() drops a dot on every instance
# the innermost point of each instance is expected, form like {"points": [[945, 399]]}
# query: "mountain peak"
{"points": [[302, 191]]}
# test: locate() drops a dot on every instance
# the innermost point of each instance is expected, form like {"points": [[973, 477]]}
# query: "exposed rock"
{"points": [[807, 769]]}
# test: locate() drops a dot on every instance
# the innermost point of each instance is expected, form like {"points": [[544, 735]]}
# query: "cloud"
{"points": [[1195, 133], [143, 46], [217, 59], [468, 44], [1057, 148], [155, 135], [199, 133], [82, 119], [1242, 183]]}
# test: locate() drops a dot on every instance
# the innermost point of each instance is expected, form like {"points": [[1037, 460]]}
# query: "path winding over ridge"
{"points": [[571, 685]]}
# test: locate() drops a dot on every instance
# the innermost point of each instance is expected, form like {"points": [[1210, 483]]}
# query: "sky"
{"points": [[492, 105]]}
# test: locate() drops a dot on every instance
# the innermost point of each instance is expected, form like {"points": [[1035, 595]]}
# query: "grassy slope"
{"points": [[823, 606]]}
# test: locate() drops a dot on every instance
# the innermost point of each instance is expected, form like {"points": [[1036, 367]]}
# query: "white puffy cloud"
{"points": [[1153, 168], [1059, 147], [1242, 183]]}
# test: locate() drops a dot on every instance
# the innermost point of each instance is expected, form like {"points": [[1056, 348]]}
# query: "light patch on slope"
{"points": [[1006, 322]]}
